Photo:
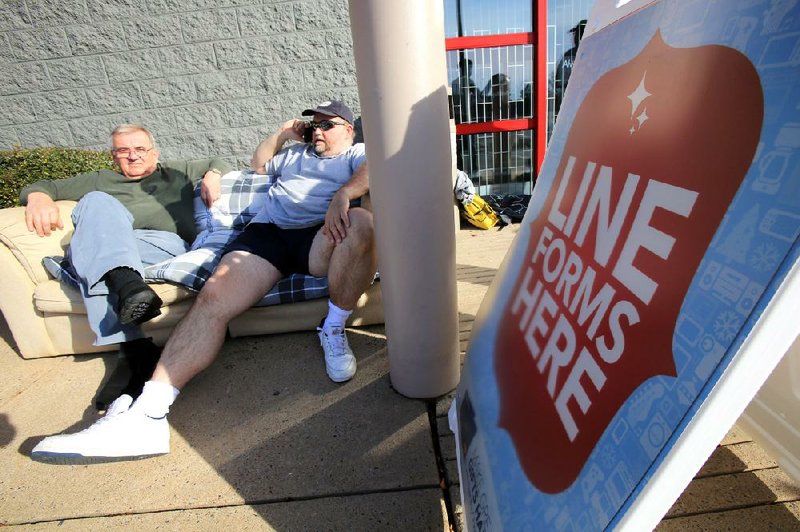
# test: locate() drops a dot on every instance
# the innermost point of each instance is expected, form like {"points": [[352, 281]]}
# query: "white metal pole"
{"points": [[402, 84]]}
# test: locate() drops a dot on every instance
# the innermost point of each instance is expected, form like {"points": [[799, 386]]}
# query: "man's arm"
{"points": [[206, 172], [336, 219], [42, 215], [266, 150]]}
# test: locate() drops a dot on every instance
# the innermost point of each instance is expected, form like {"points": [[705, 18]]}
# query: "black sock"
{"points": [[142, 355], [137, 360], [123, 280]]}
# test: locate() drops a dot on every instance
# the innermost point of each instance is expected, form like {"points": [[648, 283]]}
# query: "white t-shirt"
{"points": [[305, 184]]}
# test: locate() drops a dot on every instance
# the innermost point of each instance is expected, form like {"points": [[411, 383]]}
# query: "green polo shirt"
{"points": [[162, 200]]}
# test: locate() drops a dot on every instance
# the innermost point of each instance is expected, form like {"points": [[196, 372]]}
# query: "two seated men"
{"points": [[125, 221]]}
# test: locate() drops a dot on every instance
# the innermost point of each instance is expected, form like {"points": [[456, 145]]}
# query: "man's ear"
{"points": [[114, 161]]}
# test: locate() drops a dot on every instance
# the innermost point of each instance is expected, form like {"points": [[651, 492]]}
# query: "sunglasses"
{"points": [[324, 125]]}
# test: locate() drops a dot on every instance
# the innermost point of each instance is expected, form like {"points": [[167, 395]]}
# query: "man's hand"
{"points": [[292, 130], [336, 219], [42, 214], [267, 148], [211, 187]]}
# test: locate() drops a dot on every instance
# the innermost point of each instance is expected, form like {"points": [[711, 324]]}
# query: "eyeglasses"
{"points": [[324, 125], [138, 151]]}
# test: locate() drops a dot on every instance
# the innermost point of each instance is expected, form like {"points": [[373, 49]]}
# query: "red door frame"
{"points": [[538, 38]]}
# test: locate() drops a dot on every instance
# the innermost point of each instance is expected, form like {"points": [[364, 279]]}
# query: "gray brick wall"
{"points": [[208, 77]]}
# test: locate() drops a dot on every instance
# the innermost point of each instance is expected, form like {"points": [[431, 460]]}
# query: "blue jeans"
{"points": [[105, 239]]}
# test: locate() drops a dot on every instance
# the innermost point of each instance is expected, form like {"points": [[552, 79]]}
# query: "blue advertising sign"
{"points": [[663, 225]]}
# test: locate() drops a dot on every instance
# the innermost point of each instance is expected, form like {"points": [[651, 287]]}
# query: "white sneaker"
{"points": [[119, 405], [122, 434], [340, 363]]}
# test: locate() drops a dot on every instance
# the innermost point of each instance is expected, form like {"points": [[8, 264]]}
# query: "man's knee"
{"points": [[102, 202], [214, 300], [361, 232], [221, 293], [213, 292], [97, 197]]}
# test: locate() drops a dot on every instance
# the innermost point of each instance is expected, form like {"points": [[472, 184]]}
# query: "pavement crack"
{"points": [[444, 485]]}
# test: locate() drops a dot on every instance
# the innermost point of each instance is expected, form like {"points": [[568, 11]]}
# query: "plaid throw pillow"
{"points": [[241, 197]]}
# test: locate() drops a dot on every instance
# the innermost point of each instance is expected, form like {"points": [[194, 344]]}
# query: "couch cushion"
{"points": [[54, 297], [184, 275]]}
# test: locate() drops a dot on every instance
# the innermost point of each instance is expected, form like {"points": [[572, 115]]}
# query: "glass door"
{"points": [[496, 67], [566, 20]]}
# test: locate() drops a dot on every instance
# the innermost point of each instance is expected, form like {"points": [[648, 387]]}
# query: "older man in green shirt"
{"points": [[124, 221]]}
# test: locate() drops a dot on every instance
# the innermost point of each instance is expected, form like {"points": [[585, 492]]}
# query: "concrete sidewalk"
{"points": [[263, 440]]}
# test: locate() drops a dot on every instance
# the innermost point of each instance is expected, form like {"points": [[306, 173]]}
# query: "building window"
{"points": [[492, 85]]}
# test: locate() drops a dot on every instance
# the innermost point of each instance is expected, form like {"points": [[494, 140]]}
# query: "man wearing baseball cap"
{"points": [[307, 225], [332, 108]]}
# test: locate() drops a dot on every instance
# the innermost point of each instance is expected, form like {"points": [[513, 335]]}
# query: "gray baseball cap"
{"points": [[332, 108]]}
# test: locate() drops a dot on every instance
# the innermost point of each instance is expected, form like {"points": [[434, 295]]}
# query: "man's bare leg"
{"points": [[350, 267], [240, 281], [141, 429]]}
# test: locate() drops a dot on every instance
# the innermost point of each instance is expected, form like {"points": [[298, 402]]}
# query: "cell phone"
{"points": [[308, 134]]}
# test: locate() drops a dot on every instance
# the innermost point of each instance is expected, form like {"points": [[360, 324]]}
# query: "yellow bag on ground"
{"points": [[479, 213]]}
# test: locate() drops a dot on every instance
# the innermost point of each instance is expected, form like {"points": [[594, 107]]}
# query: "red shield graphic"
{"points": [[653, 159]]}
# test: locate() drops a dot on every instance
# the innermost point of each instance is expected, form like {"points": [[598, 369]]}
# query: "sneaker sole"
{"points": [[339, 378], [139, 308], [78, 459]]}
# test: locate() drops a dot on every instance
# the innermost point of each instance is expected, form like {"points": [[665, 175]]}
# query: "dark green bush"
{"points": [[22, 166]]}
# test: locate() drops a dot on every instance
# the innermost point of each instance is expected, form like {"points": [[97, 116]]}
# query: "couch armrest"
{"points": [[27, 325], [27, 247]]}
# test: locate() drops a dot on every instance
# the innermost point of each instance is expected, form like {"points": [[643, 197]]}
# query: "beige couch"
{"points": [[48, 318]]}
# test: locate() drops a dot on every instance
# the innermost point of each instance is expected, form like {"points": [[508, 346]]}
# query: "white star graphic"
{"points": [[639, 95], [642, 118]]}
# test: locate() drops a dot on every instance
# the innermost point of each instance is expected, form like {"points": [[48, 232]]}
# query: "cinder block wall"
{"points": [[209, 77]]}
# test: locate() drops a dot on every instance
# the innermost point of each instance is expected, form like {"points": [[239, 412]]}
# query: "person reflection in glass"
{"points": [[496, 107], [465, 108], [496, 95], [465, 93], [564, 68]]}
